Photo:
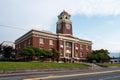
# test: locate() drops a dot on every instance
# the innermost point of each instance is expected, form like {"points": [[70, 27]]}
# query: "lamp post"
{"points": [[94, 61]]}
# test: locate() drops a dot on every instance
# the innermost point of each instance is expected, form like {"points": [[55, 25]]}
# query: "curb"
{"points": [[37, 70], [45, 71]]}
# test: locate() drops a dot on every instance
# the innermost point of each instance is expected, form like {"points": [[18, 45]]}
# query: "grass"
{"points": [[39, 65], [108, 65]]}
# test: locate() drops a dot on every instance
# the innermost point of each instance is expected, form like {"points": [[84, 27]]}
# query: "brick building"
{"points": [[70, 47]]}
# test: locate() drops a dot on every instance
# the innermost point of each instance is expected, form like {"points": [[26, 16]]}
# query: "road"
{"points": [[68, 75], [107, 76]]}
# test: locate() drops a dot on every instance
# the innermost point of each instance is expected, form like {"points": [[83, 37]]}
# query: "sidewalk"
{"points": [[39, 71]]}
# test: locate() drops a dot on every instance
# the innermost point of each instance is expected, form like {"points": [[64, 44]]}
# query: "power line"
{"points": [[12, 27]]}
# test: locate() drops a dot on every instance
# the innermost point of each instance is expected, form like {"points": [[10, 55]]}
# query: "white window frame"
{"points": [[41, 41], [50, 42], [81, 46], [81, 54], [68, 44], [87, 47]]}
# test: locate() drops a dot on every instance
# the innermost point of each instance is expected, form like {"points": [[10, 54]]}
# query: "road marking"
{"points": [[70, 75]]}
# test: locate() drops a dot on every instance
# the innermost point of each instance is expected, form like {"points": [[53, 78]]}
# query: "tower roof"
{"points": [[64, 13]]}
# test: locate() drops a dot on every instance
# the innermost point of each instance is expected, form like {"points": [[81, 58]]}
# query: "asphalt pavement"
{"points": [[77, 75], [106, 76]]}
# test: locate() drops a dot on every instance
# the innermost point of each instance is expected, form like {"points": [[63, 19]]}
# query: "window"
{"points": [[29, 42], [41, 41], [50, 42], [19, 46], [61, 44], [76, 46], [68, 55], [87, 48], [76, 55], [81, 46], [41, 48], [81, 54], [61, 51], [66, 17], [115, 61], [51, 49], [68, 51], [25, 44], [87, 53], [68, 44]]}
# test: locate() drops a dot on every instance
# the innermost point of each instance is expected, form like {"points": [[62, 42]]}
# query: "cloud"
{"points": [[113, 45], [85, 7], [100, 7], [42, 14]]}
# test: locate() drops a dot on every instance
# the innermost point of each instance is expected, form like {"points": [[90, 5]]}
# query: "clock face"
{"points": [[67, 26], [59, 26]]}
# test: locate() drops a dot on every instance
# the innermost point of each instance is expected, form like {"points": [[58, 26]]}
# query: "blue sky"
{"points": [[95, 20]]}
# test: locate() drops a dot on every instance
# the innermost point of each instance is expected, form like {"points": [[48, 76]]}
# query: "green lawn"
{"points": [[108, 65], [39, 65], [112, 65]]}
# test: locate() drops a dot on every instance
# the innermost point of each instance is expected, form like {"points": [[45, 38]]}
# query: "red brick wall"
{"points": [[23, 44], [35, 41]]}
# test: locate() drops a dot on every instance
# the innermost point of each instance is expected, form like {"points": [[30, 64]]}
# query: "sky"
{"points": [[94, 20]]}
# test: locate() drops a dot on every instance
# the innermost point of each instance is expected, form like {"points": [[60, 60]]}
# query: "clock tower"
{"points": [[64, 24]]}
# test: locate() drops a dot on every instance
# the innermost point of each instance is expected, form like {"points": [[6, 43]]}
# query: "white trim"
{"points": [[54, 36], [23, 37], [43, 34], [72, 39], [20, 41]]}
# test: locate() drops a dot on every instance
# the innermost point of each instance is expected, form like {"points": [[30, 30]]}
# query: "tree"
{"points": [[27, 52], [0, 49], [7, 51], [57, 55], [38, 52], [47, 53], [33, 51], [98, 55]]}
